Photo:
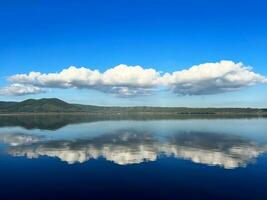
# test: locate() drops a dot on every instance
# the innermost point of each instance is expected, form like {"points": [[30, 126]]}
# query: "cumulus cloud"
{"points": [[70, 77], [122, 80], [212, 78], [20, 89], [127, 81]]}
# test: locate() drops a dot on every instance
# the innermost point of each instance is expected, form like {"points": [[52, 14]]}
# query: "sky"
{"points": [[131, 53]]}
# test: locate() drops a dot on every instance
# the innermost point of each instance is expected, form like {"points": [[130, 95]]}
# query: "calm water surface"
{"points": [[55, 157]]}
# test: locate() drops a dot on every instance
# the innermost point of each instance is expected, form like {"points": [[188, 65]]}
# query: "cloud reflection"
{"points": [[16, 139], [133, 147]]}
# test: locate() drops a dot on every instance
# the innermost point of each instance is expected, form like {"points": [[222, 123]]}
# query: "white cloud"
{"points": [[131, 76], [123, 80], [128, 91], [19, 89], [67, 78], [212, 78]]}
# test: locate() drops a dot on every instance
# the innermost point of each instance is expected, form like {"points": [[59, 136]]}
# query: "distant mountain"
{"points": [[4, 104], [41, 105], [54, 105]]}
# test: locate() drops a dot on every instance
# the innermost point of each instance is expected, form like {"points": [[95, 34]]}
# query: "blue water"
{"points": [[152, 159]]}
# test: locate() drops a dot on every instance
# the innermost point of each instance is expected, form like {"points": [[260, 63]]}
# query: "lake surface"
{"points": [[52, 157]]}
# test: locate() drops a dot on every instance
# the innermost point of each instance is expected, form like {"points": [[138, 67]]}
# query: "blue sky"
{"points": [[168, 36]]}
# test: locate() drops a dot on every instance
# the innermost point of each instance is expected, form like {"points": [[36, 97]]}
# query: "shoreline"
{"points": [[155, 114]]}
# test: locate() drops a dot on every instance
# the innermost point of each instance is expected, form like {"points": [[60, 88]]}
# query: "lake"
{"points": [[48, 157]]}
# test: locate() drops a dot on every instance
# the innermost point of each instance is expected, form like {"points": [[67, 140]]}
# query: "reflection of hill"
{"points": [[57, 121], [129, 147], [46, 122]]}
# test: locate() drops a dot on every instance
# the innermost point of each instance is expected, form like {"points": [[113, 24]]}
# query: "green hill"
{"points": [[53, 105], [41, 105], [4, 104]]}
